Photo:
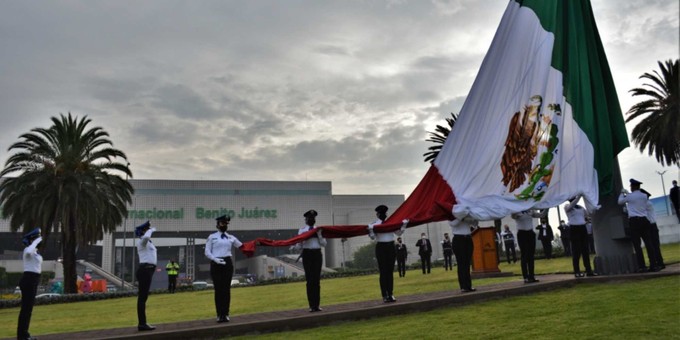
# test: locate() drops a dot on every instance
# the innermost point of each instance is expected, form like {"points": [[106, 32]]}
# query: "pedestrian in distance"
{"points": [[509, 243], [218, 248], [402, 255], [447, 248], [425, 251], [173, 270]]}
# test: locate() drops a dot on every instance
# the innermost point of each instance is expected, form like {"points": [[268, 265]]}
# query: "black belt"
{"points": [[147, 265], [454, 235]]}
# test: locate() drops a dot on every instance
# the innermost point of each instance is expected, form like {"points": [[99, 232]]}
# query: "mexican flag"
{"points": [[542, 123]]}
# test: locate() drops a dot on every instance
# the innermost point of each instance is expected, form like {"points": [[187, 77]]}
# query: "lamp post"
{"points": [[663, 186], [122, 263]]}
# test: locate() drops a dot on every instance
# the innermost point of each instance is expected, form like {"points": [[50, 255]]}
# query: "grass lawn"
{"points": [[648, 309], [167, 308]]}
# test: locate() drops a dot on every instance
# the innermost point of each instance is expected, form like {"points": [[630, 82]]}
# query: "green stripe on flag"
{"points": [[588, 83]]}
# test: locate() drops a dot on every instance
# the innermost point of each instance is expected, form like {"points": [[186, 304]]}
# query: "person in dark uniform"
{"points": [[218, 249], [173, 269], [463, 248], [675, 199], [385, 253], [447, 248], [526, 239], [546, 236], [565, 236], [312, 260], [147, 266], [425, 252], [402, 254], [579, 236], [509, 242], [30, 280], [640, 228]]}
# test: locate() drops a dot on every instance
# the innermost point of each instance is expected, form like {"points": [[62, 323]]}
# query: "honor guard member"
{"points": [[546, 236], [218, 250], [654, 234], [312, 260], [173, 269], [576, 215], [509, 242], [447, 248], [402, 254], [29, 280], [640, 228], [463, 247], [526, 239], [385, 253], [147, 266]]}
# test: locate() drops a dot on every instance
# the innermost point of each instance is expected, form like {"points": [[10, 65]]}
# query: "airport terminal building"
{"points": [[184, 212]]}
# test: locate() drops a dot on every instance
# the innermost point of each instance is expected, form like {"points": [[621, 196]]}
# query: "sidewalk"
{"points": [[301, 318]]}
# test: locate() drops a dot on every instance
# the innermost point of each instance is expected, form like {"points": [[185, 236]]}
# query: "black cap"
{"points": [[139, 230], [311, 213], [223, 218], [381, 209], [633, 181]]}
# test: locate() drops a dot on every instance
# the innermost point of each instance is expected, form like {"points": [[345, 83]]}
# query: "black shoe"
{"points": [[531, 280], [222, 318], [591, 274], [315, 309], [642, 270], [578, 274], [391, 299], [468, 290], [145, 327]]}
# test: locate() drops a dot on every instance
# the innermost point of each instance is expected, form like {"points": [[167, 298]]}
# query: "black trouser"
{"points": [[580, 248], [657, 244], [312, 259], [221, 275], [640, 228], [510, 248], [566, 242], [547, 248], [448, 260], [526, 239], [29, 287], [591, 243], [463, 248], [401, 266], [385, 254], [172, 283], [425, 261], [144, 275]]}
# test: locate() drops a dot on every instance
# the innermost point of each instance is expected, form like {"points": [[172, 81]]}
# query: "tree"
{"points": [[659, 130], [364, 257], [68, 181], [439, 137]]}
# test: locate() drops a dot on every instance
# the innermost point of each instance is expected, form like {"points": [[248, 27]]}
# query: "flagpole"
{"points": [[613, 247]]}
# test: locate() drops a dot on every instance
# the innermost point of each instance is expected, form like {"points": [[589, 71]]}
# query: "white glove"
{"points": [[153, 230], [404, 223], [319, 234], [624, 191], [370, 227], [220, 261]]}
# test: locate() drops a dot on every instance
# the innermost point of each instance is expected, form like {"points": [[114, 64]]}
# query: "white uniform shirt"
{"points": [[637, 203], [459, 227], [217, 246], [576, 214], [146, 249], [312, 242], [383, 237], [33, 260], [525, 220], [651, 215]]}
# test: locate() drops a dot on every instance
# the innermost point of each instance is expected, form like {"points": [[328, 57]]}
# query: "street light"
{"points": [[122, 263], [663, 186]]}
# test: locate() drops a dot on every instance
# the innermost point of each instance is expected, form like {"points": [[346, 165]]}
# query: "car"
{"points": [[235, 282], [47, 295]]}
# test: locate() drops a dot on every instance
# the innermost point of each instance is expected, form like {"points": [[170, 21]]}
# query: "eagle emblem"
{"points": [[529, 132]]}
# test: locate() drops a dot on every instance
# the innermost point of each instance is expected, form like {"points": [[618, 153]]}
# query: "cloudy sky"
{"points": [[341, 91]]}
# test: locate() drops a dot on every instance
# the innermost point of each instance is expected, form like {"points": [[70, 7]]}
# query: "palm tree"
{"points": [[659, 130], [439, 137], [68, 181]]}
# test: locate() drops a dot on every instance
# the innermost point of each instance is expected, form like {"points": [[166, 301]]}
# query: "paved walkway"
{"points": [[301, 318]]}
